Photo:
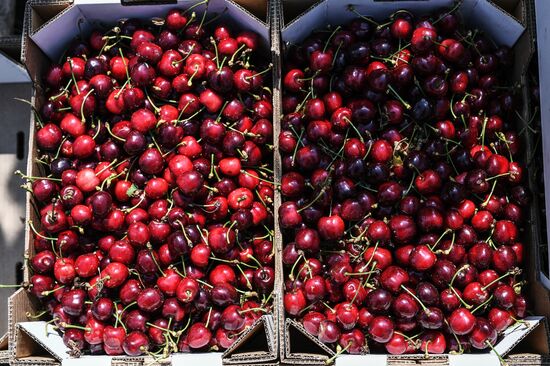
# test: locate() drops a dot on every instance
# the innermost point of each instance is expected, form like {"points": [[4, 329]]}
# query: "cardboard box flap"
{"points": [[501, 26], [302, 26], [47, 337], [300, 345], [85, 15], [257, 344], [52, 37], [11, 71], [336, 12], [515, 333], [380, 10]]}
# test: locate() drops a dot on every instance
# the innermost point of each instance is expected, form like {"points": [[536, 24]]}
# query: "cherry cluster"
{"points": [[155, 205], [403, 197]]}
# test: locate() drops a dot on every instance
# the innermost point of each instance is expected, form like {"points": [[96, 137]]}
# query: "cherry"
{"points": [[135, 344], [354, 340], [480, 255], [328, 332], [461, 321], [142, 74], [422, 258], [504, 259], [431, 318], [401, 28], [398, 345], [405, 306], [381, 257], [150, 299], [198, 336], [94, 331], [423, 39], [73, 302], [475, 293], [483, 334], [43, 262], [499, 319], [114, 274], [403, 228], [74, 338], [504, 296], [393, 277], [294, 302], [331, 228], [381, 329], [221, 239], [222, 273], [433, 342], [187, 290], [232, 318], [172, 309], [307, 240], [347, 315], [64, 271], [505, 232], [103, 309], [427, 293], [378, 301]]}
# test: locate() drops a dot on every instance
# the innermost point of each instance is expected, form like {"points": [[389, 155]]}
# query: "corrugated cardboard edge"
{"points": [[264, 324], [303, 358], [18, 305], [275, 11], [48, 330]]}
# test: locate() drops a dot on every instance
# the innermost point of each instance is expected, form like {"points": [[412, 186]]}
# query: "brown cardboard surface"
{"points": [[258, 7]]}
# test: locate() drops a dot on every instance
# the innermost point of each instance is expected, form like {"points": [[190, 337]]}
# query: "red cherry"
{"points": [[482, 334], [294, 302], [422, 258], [381, 329], [461, 321], [331, 227]]}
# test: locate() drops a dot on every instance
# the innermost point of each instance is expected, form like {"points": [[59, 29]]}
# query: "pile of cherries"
{"points": [[403, 197], [155, 203]]}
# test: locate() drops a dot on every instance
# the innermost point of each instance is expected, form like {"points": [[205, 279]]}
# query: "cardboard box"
{"points": [[291, 341], [49, 27], [508, 22]]}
